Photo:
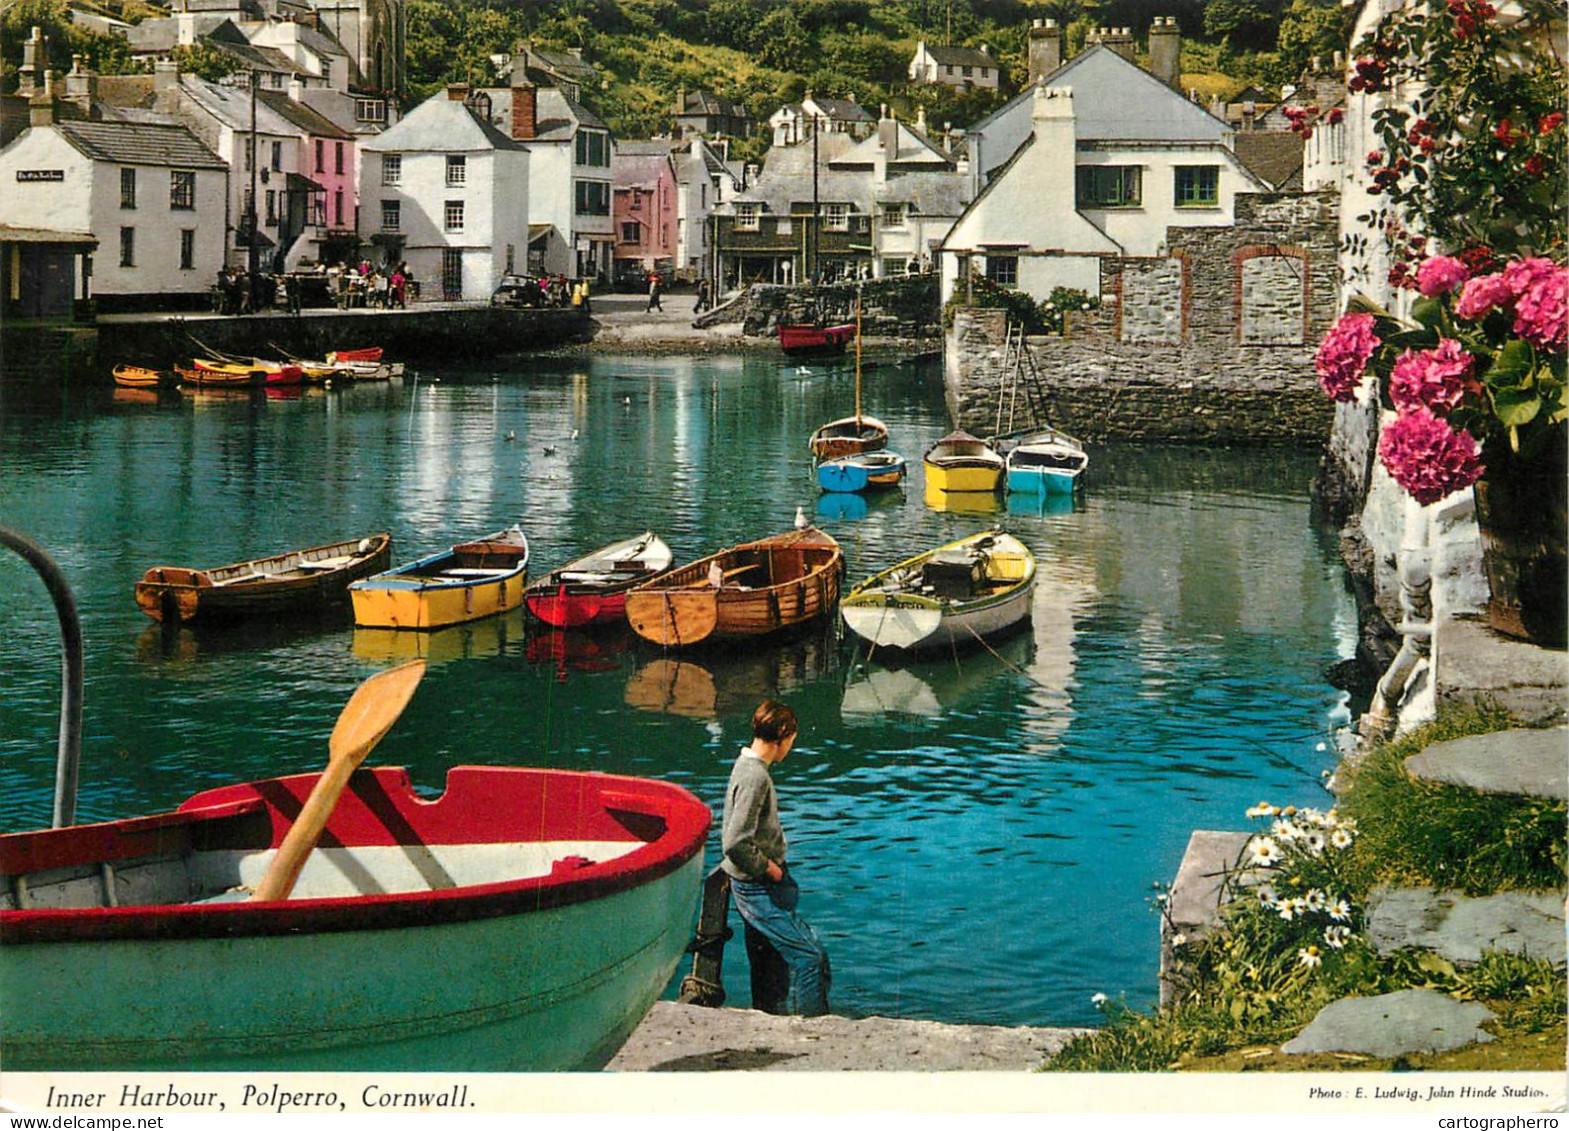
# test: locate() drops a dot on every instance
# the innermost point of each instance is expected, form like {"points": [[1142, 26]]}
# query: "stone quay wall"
{"points": [[406, 335], [1211, 343], [904, 307]]}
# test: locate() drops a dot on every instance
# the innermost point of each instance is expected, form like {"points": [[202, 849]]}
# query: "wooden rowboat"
{"points": [[593, 589], [853, 434], [962, 462], [369, 353], [746, 591], [255, 371], [951, 596], [297, 581], [471, 580], [525, 920], [862, 471], [804, 340], [581, 887], [136, 377], [1041, 461]]}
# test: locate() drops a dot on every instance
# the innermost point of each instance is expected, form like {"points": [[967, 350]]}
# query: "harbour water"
{"points": [[978, 837]]}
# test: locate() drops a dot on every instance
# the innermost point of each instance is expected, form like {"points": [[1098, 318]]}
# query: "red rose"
{"points": [[1534, 165], [1550, 123]]}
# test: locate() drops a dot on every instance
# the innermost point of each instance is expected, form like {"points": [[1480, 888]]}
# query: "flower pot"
{"points": [[1522, 510]]}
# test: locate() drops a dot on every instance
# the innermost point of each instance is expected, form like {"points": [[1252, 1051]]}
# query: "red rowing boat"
{"points": [[369, 353], [799, 340], [593, 589]]}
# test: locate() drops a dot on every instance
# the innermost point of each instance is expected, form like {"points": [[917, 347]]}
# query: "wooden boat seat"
{"points": [[327, 563], [241, 577], [470, 571], [586, 577]]}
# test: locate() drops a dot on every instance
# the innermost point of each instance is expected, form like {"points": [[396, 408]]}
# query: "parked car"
{"points": [[631, 277], [516, 290]]}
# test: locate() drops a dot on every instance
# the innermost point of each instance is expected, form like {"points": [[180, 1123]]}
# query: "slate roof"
{"points": [[127, 143], [639, 170], [913, 149], [308, 120], [1273, 156], [1115, 100], [439, 125], [565, 63], [702, 102], [961, 57], [786, 177], [842, 109], [931, 194], [231, 105]]}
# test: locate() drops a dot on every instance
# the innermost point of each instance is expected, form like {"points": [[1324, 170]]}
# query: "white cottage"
{"points": [[152, 194], [1113, 158], [448, 193]]}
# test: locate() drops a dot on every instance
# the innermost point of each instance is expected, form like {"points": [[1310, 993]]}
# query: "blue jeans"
{"points": [[769, 908]]}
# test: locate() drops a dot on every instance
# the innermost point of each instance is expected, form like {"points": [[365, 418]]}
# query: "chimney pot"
{"points": [[457, 91], [525, 111]]}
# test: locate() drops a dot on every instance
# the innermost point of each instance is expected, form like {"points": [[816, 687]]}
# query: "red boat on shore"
{"points": [[801, 340]]}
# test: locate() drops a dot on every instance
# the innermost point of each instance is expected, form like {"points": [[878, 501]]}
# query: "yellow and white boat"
{"points": [[962, 462], [471, 580]]}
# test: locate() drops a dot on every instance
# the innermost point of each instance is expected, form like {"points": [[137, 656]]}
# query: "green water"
{"points": [[977, 837]]}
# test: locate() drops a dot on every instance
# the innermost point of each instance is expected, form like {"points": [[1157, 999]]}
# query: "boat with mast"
{"points": [[851, 435]]}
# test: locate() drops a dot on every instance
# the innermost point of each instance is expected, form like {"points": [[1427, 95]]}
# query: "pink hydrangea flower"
{"points": [[1427, 457], [1343, 355], [1437, 379], [1441, 275], [1541, 302], [1482, 294]]}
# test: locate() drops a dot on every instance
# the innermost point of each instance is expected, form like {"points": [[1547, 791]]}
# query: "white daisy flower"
{"points": [[1263, 851], [1284, 829], [1315, 842], [1342, 838], [1098, 999], [1178, 940], [1309, 956], [1263, 809], [1339, 909], [1337, 936], [1286, 909], [1315, 900]]}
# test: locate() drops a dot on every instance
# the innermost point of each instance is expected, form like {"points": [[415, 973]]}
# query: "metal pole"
{"points": [[815, 233], [68, 761], [250, 250]]}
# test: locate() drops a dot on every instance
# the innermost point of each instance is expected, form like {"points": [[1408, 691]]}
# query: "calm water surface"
{"points": [[977, 837]]}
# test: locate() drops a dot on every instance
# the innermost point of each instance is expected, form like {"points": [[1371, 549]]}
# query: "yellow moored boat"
{"points": [[962, 462], [471, 580]]}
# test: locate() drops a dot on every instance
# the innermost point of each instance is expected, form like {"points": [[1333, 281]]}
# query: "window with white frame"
{"points": [[748, 217], [392, 215], [457, 170], [893, 216], [452, 216], [836, 217], [391, 168], [127, 188], [182, 190], [370, 109]]}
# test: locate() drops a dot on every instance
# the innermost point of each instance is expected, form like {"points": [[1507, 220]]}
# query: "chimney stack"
{"points": [[166, 75], [457, 92], [81, 85], [35, 64], [525, 111], [1166, 51], [888, 136], [1045, 49], [42, 105], [1119, 39]]}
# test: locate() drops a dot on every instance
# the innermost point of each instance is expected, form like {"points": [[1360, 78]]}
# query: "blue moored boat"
{"points": [[862, 471]]}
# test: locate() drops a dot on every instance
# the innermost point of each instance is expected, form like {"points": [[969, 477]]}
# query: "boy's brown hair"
{"points": [[773, 721]]}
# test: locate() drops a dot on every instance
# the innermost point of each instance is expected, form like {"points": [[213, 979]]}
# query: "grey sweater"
{"points": [[752, 835]]}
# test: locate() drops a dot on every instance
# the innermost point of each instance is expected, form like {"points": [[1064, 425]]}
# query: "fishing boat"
{"points": [[136, 377], [799, 339], [593, 589], [862, 471], [270, 372], [210, 378], [296, 581], [962, 462], [343, 921], [1041, 461], [853, 434], [471, 580], [954, 595], [747, 591]]}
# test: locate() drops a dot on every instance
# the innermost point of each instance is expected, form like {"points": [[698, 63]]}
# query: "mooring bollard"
{"points": [[705, 984]]}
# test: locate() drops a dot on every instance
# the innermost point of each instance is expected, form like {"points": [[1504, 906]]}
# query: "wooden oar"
{"points": [[369, 714]]}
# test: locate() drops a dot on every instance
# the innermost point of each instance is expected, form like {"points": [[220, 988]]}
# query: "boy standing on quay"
{"points": [[754, 858]]}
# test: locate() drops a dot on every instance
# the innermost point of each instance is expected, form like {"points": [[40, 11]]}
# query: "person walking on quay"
{"points": [[655, 286], [400, 283], [754, 858], [703, 302]]}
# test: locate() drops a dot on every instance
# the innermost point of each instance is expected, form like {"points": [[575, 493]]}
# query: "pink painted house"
{"points": [[644, 207], [323, 195]]}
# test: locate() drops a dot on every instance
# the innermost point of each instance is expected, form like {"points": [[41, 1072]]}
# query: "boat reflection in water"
{"points": [[932, 688], [963, 502], [728, 681], [579, 649], [471, 640], [1041, 502], [845, 506], [172, 645]]}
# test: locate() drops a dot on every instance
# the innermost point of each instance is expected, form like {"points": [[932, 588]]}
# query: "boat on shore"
{"points": [[951, 596], [592, 589], [1041, 461], [469, 581], [861, 471], [962, 462], [747, 591], [292, 582], [798, 339]]}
